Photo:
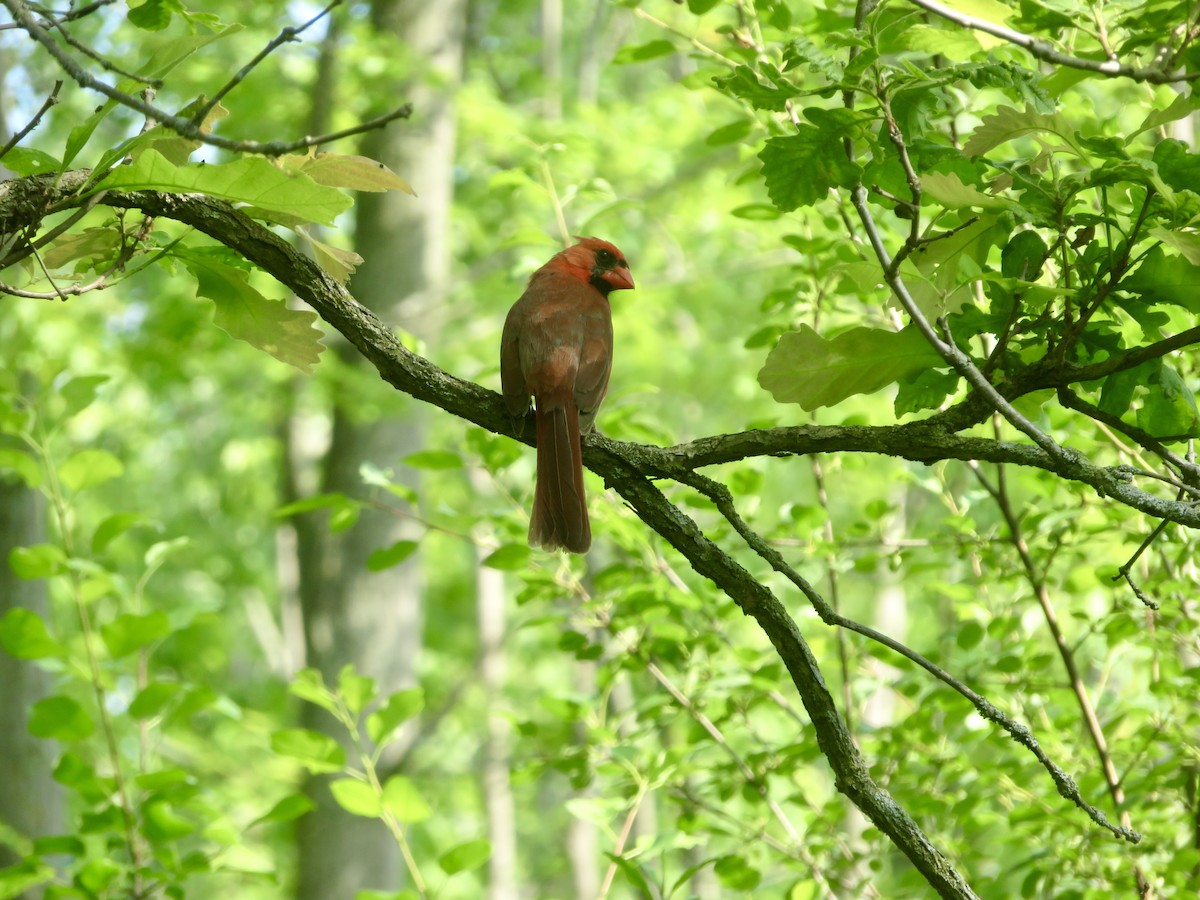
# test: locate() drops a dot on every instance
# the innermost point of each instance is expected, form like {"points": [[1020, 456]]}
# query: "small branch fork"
{"points": [[33, 123], [192, 127], [1159, 73], [721, 497], [1037, 582]]}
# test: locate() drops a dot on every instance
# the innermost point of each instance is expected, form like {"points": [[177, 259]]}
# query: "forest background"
{"points": [[893, 588]]}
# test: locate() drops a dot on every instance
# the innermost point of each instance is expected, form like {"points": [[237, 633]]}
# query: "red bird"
{"points": [[557, 346]]}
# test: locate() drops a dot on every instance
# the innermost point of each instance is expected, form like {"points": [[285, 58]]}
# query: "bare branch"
{"points": [[69, 16], [1037, 583], [290, 33], [95, 57], [181, 126], [1046, 52], [33, 123], [720, 495]]}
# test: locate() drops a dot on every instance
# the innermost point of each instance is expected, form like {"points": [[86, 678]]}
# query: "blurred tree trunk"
{"points": [[582, 841], [497, 749], [552, 58], [29, 799], [374, 619]]}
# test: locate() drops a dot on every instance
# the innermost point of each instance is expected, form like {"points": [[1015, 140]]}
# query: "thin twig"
{"points": [[18, 254], [1067, 788], [290, 33], [95, 57], [1044, 51], [71, 16], [33, 123], [181, 126], [1037, 582]]}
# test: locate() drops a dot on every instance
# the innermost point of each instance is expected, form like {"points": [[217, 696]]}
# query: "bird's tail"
{"points": [[560, 518]]}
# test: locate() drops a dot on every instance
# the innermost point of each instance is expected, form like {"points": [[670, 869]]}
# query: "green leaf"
{"points": [[170, 54], [316, 752], [17, 880], [1181, 107], [355, 173], [1166, 279], [736, 874], [1008, 124], [152, 15], [1023, 256], [700, 7], [338, 262], [288, 809], [955, 44], [401, 798], [356, 797], [730, 134], [73, 772], [386, 557], [60, 718], [508, 558], [434, 459], [245, 314], [81, 133], [317, 501], [38, 561], [1185, 243], [748, 84], [89, 468], [98, 874], [950, 191], [160, 821], [806, 368], [23, 464], [465, 857], [357, 690], [635, 53], [250, 180], [928, 389], [800, 169], [151, 699], [23, 635], [1179, 168], [1169, 408], [396, 710], [96, 245], [309, 685], [115, 526], [25, 161], [129, 632], [80, 391]]}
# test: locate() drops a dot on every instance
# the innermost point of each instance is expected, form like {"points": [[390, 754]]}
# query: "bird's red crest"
{"points": [[595, 261]]}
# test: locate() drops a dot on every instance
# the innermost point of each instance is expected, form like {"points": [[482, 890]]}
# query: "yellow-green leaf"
{"points": [[356, 173], [251, 180], [243, 313]]}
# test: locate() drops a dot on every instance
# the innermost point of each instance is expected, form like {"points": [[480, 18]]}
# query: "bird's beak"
{"points": [[618, 278]]}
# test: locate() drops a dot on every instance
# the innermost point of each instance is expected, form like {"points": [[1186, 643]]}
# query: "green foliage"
{"points": [[1054, 227]]}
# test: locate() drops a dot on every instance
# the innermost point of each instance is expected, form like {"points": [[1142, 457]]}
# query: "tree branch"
{"points": [[625, 467], [180, 125], [1045, 51]]}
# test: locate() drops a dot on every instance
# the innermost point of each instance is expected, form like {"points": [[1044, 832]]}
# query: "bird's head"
{"points": [[597, 262]]}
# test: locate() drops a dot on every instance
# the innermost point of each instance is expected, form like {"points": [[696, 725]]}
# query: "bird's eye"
{"points": [[605, 258]]}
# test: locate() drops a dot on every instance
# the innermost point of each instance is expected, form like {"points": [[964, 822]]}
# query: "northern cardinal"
{"points": [[557, 346]]}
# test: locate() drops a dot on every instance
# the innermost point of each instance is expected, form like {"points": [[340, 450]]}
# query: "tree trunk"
{"points": [[374, 619], [497, 763], [29, 798]]}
